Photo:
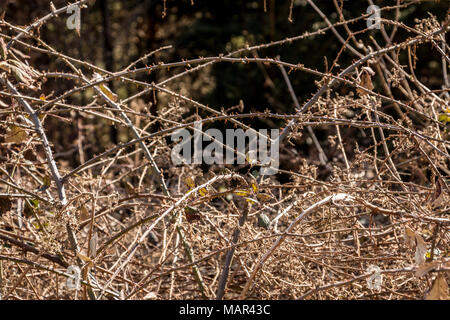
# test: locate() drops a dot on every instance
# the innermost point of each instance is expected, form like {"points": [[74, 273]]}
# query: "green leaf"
{"points": [[444, 118], [35, 202]]}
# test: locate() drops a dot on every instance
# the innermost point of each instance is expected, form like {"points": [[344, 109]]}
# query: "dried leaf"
{"points": [[16, 135], [21, 76], [83, 257], [263, 197], [366, 80], [438, 195], [421, 250], [86, 259], [25, 68], [410, 237], [426, 267], [5, 66], [439, 290]]}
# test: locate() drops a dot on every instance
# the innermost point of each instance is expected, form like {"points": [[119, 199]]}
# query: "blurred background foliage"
{"points": [[114, 33]]}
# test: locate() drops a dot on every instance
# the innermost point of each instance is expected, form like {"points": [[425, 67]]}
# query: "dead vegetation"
{"points": [[365, 216]]}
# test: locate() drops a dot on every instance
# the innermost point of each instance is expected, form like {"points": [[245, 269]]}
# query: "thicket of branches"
{"points": [[359, 208]]}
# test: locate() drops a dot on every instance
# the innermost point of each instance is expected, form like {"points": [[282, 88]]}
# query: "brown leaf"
{"points": [[410, 237], [5, 204], [21, 76], [5, 66], [263, 197], [16, 135], [426, 267], [439, 290], [366, 80], [191, 217], [421, 250], [438, 195], [84, 214]]}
